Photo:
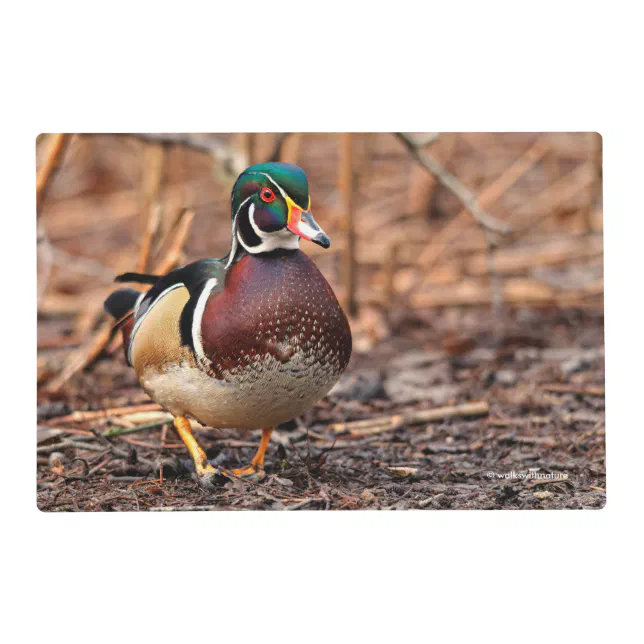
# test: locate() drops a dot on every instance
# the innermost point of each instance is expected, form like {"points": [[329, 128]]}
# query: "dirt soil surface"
{"points": [[541, 444]]}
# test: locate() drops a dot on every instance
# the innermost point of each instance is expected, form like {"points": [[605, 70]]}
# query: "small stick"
{"points": [[572, 389], [50, 166], [301, 504], [182, 227], [154, 165], [99, 466], [139, 443], [403, 472], [123, 431], [478, 408], [511, 422], [381, 424], [84, 416], [151, 230], [56, 447]]}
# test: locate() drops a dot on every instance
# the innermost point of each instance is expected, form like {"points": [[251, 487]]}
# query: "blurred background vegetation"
{"points": [[404, 213]]}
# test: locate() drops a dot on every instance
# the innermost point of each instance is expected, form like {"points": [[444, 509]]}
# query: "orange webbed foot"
{"points": [[250, 473]]}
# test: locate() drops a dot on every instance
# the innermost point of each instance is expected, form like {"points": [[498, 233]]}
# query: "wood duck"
{"points": [[247, 341]]}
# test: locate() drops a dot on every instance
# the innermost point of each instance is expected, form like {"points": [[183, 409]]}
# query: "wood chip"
{"points": [[403, 472]]}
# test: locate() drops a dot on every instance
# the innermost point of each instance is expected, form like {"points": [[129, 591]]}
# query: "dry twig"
{"points": [[381, 424], [181, 230], [84, 416], [574, 389], [153, 169], [454, 185], [50, 166]]}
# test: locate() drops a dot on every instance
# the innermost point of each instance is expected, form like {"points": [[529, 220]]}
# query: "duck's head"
{"points": [[271, 209]]}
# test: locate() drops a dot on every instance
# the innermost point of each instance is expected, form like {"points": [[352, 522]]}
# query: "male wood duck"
{"points": [[247, 341]]}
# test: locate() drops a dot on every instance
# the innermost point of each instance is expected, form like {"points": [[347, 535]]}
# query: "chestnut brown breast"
{"points": [[278, 313]]}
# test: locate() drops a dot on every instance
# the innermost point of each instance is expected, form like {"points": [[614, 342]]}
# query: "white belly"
{"points": [[270, 394]]}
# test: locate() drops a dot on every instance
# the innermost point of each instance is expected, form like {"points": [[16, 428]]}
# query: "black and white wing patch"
{"points": [[204, 279], [200, 279]]}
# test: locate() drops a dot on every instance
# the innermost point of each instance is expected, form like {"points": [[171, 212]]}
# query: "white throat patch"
{"points": [[283, 238]]}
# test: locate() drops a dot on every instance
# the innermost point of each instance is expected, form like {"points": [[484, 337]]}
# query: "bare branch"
{"points": [[454, 185], [199, 142], [231, 159]]}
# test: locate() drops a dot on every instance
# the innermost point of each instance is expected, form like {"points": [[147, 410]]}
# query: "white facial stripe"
{"points": [[197, 318], [251, 218], [241, 206], [140, 320], [233, 250]]}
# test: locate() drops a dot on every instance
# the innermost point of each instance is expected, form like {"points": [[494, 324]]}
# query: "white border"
{"points": [[468, 576]]}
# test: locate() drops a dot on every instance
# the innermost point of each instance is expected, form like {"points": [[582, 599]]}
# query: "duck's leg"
{"points": [[206, 473], [256, 468]]}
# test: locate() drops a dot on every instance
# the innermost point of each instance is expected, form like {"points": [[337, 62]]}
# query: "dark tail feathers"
{"points": [[140, 278], [121, 302]]}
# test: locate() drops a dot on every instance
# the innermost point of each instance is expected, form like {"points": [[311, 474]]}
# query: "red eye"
{"points": [[267, 195]]}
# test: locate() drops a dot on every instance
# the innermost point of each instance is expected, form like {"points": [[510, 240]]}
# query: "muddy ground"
{"points": [[541, 444]]}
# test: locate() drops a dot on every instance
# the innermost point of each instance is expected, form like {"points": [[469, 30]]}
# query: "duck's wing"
{"points": [[200, 278]]}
